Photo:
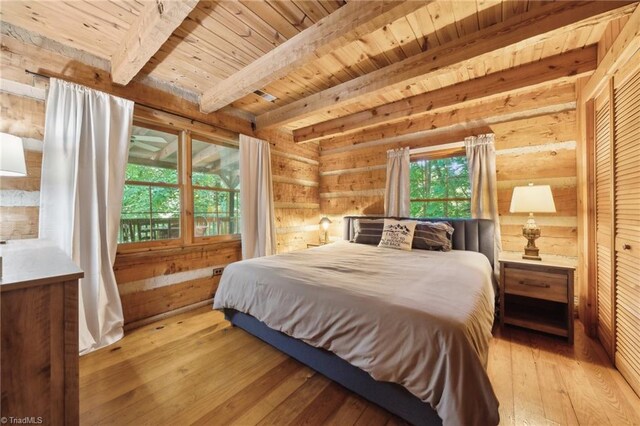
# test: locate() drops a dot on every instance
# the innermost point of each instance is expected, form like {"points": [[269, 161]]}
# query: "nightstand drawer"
{"points": [[538, 284]]}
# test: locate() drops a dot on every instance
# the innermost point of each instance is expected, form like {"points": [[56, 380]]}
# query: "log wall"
{"points": [[539, 149], [160, 282]]}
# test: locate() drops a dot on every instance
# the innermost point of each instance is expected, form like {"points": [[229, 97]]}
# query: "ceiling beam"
{"points": [[341, 27], [547, 100], [623, 48], [571, 64], [166, 151], [157, 21], [210, 153], [517, 32]]}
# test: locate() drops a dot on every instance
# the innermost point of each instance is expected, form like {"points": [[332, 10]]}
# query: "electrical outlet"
{"points": [[217, 271]]}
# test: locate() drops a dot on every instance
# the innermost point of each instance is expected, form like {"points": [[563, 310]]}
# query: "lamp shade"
{"points": [[325, 222], [11, 156], [532, 199]]}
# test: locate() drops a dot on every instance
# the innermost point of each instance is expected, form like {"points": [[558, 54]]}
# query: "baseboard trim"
{"points": [[145, 321]]}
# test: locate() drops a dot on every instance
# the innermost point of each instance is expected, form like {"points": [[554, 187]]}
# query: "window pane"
{"points": [[149, 213], [440, 188], [215, 212], [214, 165], [153, 156]]}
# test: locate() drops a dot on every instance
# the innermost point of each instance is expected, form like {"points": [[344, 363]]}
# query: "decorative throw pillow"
{"points": [[397, 234], [367, 231], [433, 236]]}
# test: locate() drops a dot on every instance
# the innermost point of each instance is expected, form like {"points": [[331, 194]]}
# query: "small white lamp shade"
{"points": [[325, 222], [11, 156], [532, 199]]}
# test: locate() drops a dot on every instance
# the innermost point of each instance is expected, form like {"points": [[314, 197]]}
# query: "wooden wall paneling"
{"points": [[22, 116], [145, 304]]}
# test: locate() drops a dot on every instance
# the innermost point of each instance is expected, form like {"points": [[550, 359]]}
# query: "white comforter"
{"points": [[421, 318]]}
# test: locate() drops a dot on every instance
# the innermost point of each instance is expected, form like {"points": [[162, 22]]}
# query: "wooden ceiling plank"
{"points": [[246, 15], [244, 29], [272, 17], [146, 35], [345, 25], [443, 21], [202, 16], [570, 64], [312, 9], [466, 14], [623, 48], [518, 32], [291, 13], [489, 12], [538, 101], [44, 20]]}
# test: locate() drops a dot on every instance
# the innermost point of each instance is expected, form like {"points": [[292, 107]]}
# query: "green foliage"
{"points": [[445, 183]]}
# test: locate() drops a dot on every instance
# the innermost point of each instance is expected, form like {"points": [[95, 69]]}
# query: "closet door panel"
{"points": [[603, 221], [627, 226]]}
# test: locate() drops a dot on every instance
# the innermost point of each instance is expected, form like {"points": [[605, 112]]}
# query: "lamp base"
{"points": [[531, 254], [531, 232]]}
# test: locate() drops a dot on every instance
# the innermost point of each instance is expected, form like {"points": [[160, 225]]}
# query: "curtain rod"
{"points": [[37, 74]]}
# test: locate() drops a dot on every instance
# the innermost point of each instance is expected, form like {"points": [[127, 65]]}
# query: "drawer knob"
{"points": [[534, 284], [626, 247]]}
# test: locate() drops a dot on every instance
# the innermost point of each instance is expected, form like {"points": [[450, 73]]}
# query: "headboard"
{"points": [[469, 234]]}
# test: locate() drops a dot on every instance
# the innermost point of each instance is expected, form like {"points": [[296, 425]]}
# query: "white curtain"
{"points": [[396, 194], [257, 218], [84, 158], [481, 156]]}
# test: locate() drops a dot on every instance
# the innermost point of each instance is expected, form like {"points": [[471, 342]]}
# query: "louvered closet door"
{"points": [[603, 216], [627, 226]]}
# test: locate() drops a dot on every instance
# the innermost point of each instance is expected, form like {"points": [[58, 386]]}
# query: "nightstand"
{"points": [[537, 295]]}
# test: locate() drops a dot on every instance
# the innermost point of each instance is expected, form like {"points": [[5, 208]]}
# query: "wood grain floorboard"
{"points": [[195, 369]]}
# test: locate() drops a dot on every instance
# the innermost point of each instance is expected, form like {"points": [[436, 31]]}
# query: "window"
{"points": [[161, 205], [151, 202], [440, 187], [216, 194]]}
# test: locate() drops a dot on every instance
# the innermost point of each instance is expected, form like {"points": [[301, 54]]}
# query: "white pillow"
{"points": [[397, 234]]}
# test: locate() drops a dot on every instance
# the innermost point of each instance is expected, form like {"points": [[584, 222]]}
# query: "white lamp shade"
{"points": [[532, 199], [11, 156]]}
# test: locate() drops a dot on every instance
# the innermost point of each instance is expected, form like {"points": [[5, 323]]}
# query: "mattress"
{"points": [[421, 319]]}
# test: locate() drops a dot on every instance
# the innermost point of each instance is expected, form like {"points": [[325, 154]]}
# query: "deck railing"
{"points": [[136, 227]]}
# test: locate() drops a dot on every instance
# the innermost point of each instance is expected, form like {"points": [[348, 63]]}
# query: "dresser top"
{"points": [[28, 263]]}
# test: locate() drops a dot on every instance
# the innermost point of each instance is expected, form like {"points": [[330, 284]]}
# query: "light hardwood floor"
{"points": [[195, 368]]}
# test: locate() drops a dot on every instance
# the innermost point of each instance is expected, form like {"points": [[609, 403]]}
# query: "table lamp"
{"points": [[532, 199], [325, 222], [11, 156], [11, 163]]}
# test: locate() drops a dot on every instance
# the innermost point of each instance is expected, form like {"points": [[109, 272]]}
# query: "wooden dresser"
{"points": [[39, 329], [537, 295]]}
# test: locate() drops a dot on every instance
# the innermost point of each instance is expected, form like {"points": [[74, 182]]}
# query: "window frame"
{"points": [[184, 184], [440, 154], [206, 239]]}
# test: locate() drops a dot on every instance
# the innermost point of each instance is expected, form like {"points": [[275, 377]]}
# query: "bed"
{"points": [[408, 331]]}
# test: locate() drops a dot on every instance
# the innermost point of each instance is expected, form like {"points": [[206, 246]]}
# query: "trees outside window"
{"points": [[440, 188], [169, 201]]}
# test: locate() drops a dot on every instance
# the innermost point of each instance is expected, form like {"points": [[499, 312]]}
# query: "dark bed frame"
{"points": [[471, 235]]}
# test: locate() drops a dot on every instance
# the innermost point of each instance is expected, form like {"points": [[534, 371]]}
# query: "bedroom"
{"points": [[336, 89]]}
